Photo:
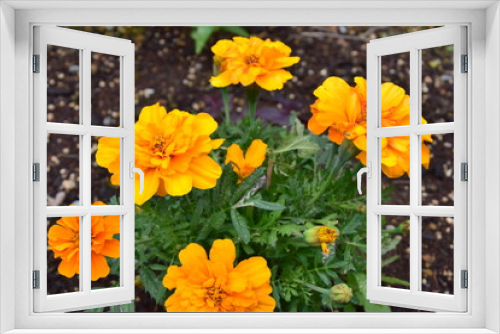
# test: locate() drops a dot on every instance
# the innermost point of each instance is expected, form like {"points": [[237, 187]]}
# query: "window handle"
{"points": [[133, 170], [363, 170]]}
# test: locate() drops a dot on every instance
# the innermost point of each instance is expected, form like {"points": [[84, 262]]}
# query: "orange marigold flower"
{"points": [[171, 149], [321, 236], [244, 165], [252, 60], [214, 285], [64, 241], [341, 109]]}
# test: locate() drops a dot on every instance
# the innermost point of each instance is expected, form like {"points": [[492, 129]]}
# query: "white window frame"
{"points": [[413, 43], [85, 43], [483, 20]]}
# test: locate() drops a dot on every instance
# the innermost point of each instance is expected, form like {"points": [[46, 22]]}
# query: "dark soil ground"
{"points": [[167, 71]]}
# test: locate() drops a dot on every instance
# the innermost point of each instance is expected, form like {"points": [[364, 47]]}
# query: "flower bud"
{"points": [[321, 235], [341, 293]]}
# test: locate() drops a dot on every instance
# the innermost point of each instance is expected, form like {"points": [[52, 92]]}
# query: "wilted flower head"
{"points": [[244, 165], [321, 235], [171, 149], [252, 60], [341, 293], [213, 284]]}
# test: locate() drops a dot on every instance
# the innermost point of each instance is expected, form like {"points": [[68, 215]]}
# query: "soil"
{"points": [[168, 71]]}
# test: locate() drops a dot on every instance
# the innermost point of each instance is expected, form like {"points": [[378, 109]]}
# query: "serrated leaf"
{"points": [[153, 285], [302, 143], [240, 225]]}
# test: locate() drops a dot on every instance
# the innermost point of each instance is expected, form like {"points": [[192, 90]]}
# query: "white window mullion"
{"points": [[414, 171]]}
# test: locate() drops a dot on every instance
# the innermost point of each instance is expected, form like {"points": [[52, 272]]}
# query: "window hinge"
{"points": [[465, 64], [36, 172], [464, 173], [36, 279], [36, 63], [464, 279]]}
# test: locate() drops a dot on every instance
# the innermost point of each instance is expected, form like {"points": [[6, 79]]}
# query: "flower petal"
{"points": [[111, 248], [204, 124], [178, 184], [152, 114], [69, 268], [204, 172], [223, 251], [273, 80], [256, 153], [255, 270], [99, 267]]}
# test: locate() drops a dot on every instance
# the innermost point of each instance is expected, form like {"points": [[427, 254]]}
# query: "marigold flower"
{"points": [[341, 109], [214, 285], [252, 60], [253, 158], [171, 149], [321, 235], [341, 293], [64, 241]]}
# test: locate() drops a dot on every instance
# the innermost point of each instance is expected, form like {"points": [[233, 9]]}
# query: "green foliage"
{"points": [[306, 181], [202, 34]]}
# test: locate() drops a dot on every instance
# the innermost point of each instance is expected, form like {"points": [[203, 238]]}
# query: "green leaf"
{"points": [[156, 266], [369, 307], [394, 280], [127, 308], [240, 225], [302, 143], [265, 205], [153, 285], [200, 35], [239, 31]]}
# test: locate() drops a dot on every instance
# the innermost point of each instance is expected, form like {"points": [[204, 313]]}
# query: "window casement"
{"points": [[380, 133], [81, 212]]}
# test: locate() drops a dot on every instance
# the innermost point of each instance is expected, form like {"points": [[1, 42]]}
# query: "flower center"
{"points": [[214, 296], [159, 145], [252, 59]]}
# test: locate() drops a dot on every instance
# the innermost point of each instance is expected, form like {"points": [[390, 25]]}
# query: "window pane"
{"points": [[437, 170], [437, 254], [63, 170], [437, 84], [395, 159], [105, 89], [106, 170], [105, 248], [395, 250], [63, 255], [395, 99], [63, 85]]}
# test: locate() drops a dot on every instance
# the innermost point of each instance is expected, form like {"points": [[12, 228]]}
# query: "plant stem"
{"points": [[252, 94], [225, 102], [346, 152]]}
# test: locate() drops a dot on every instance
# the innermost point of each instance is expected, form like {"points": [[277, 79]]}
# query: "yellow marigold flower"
{"points": [[321, 235], [171, 149], [64, 241], [253, 159], [341, 109], [252, 60], [214, 285]]}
